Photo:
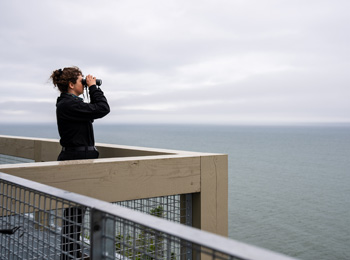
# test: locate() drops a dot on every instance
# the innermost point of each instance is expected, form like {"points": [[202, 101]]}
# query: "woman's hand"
{"points": [[90, 80]]}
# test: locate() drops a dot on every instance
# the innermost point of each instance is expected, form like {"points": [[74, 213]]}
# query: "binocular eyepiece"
{"points": [[98, 82]]}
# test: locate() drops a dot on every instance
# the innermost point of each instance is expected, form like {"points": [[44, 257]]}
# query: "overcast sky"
{"points": [[218, 61]]}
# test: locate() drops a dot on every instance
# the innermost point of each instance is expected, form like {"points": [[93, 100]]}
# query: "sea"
{"points": [[289, 186]]}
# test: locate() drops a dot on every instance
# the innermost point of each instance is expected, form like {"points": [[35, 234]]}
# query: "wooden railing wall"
{"points": [[127, 173]]}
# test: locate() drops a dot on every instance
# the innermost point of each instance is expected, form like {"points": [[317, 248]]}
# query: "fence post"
{"points": [[102, 236], [186, 219], [210, 206]]}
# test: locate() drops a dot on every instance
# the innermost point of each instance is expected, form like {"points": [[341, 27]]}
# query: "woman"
{"points": [[74, 121], [74, 116]]}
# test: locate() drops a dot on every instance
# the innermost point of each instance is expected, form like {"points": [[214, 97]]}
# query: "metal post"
{"points": [[102, 230], [189, 223]]}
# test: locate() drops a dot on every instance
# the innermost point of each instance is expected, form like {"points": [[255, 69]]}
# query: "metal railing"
{"points": [[33, 219]]}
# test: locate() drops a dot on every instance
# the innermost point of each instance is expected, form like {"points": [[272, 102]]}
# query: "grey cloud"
{"points": [[254, 59]]}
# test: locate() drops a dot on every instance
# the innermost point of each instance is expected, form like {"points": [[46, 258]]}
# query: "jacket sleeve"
{"points": [[81, 111]]}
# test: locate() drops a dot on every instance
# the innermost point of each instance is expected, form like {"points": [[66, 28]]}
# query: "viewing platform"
{"points": [[138, 203]]}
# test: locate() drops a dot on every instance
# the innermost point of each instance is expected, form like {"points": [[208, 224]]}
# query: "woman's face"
{"points": [[78, 87]]}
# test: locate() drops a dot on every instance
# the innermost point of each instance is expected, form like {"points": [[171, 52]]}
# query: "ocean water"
{"points": [[289, 186]]}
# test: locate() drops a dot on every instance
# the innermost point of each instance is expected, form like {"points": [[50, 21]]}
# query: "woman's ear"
{"points": [[71, 85]]}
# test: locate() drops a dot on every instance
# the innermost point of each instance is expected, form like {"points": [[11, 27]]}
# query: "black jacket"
{"points": [[75, 117]]}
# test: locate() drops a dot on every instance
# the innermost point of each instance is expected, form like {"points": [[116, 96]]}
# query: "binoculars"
{"points": [[98, 82]]}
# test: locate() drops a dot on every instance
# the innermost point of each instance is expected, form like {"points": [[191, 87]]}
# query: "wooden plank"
{"points": [[222, 195], [112, 180], [37, 149], [43, 149], [210, 206], [110, 152], [48, 150], [208, 194], [20, 147]]}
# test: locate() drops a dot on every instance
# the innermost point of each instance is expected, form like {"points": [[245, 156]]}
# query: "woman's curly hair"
{"points": [[62, 77]]}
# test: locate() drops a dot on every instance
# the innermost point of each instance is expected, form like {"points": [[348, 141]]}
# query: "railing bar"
{"points": [[134, 242], [56, 225], [42, 225], [23, 219], [49, 224], [46, 243], [11, 213], [166, 208], [17, 213], [2, 190], [114, 234], [29, 241], [123, 239], [168, 247], [38, 224]]}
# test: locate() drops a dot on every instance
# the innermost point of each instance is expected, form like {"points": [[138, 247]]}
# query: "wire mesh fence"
{"points": [[135, 241], [39, 226], [175, 208], [41, 222], [8, 159], [35, 225]]}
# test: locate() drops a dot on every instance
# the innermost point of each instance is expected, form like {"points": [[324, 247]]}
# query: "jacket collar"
{"points": [[71, 95]]}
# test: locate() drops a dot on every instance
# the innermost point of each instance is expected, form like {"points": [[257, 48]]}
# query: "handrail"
{"points": [[201, 238]]}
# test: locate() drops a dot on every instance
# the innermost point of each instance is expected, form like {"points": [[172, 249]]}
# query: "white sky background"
{"points": [[218, 61]]}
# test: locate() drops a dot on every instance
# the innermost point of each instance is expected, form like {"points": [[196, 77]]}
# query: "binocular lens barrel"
{"points": [[98, 82]]}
